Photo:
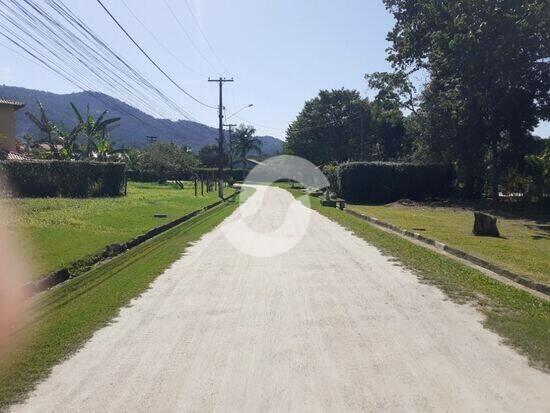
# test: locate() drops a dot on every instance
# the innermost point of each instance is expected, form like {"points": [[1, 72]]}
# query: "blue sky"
{"points": [[280, 53]]}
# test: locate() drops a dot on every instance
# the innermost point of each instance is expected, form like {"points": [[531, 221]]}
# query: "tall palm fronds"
{"points": [[48, 129], [95, 131], [243, 142], [69, 140]]}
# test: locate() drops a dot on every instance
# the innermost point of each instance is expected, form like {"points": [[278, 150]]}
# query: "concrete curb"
{"points": [[538, 287], [81, 266]]}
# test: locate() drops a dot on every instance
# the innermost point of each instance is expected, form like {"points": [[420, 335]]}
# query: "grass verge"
{"points": [[59, 231], [523, 247], [522, 320], [67, 316]]}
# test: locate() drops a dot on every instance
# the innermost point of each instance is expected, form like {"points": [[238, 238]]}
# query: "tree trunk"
{"points": [[485, 225]]}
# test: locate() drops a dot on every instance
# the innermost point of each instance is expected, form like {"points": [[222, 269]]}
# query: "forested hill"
{"points": [[134, 127]]}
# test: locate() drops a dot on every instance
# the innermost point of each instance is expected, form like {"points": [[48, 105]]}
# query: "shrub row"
{"points": [[233, 174], [77, 179], [153, 176], [389, 181]]}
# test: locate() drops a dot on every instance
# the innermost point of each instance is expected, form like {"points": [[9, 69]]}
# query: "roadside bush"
{"points": [[331, 173], [153, 176], [389, 181], [77, 179], [142, 176], [234, 174]]}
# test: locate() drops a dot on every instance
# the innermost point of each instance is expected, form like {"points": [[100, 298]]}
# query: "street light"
{"points": [[240, 110]]}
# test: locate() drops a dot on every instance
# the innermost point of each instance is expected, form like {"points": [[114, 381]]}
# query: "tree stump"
{"points": [[485, 225]]}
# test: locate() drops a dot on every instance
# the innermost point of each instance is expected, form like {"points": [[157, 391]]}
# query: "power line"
{"points": [[342, 122], [182, 27], [204, 36], [150, 59], [65, 70], [92, 94], [86, 31], [71, 45], [166, 49], [43, 36]]}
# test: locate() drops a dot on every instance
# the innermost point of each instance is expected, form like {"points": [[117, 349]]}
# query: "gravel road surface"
{"points": [[329, 325]]}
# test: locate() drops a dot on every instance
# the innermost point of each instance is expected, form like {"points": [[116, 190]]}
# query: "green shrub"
{"points": [[331, 173], [153, 176], [389, 181], [78, 179], [229, 174], [212, 173]]}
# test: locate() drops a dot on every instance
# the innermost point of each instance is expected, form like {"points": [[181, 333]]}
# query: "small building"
{"points": [[8, 142]]}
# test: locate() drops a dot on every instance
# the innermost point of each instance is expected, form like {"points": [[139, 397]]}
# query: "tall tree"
{"points": [[208, 155], [395, 90], [244, 142], [388, 133], [168, 160], [329, 127], [489, 74]]}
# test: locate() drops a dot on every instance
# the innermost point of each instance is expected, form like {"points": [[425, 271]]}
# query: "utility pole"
{"points": [[230, 126], [220, 81], [152, 139]]}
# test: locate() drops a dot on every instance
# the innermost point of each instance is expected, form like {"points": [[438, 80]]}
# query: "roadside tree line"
{"points": [[487, 71], [90, 139]]}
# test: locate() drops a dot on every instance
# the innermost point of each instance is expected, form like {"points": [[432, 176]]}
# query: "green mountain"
{"points": [[134, 126]]}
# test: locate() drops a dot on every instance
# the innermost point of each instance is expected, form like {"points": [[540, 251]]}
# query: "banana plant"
{"points": [[104, 148], [95, 131], [47, 128], [69, 140]]}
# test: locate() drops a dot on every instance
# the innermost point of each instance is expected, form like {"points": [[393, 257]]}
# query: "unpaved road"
{"points": [[331, 325]]}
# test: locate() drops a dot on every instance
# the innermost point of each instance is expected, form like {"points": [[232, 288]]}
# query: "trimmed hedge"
{"points": [[390, 181], [153, 176], [78, 179], [234, 174]]}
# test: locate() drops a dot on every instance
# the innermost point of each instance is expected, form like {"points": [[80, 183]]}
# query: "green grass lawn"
{"points": [[66, 317], [524, 245], [520, 318], [58, 231]]}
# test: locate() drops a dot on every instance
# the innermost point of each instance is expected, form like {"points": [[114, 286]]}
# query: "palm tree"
{"points": [[48, 129], [243, 142], [95, 132], [132, 157]]}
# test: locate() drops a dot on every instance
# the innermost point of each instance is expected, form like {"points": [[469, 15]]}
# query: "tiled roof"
{"points": [[12, 156], [11, 103]]}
